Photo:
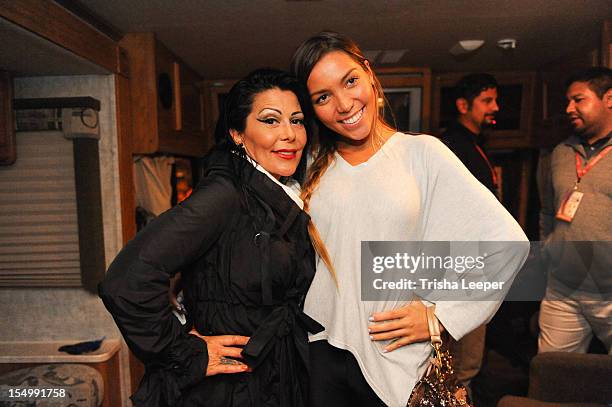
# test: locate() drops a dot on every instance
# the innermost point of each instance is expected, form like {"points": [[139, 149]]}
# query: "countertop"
{"points": [[46, 352]]}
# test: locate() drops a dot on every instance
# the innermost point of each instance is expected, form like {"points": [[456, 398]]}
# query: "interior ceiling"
{"points": [[226, 39], [25, 54]]}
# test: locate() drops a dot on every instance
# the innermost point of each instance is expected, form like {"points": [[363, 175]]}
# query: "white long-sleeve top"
{"points": [[414, 189]]}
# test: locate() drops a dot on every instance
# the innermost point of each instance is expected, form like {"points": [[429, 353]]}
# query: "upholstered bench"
{"points": [[83, 385], [90, 379]]}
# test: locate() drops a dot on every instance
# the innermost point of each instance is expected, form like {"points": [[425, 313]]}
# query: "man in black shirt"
{"points": [[476, 103]]}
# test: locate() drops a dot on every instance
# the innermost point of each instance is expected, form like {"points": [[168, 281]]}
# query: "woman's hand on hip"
{"points": [[173, 290], [223, 353], [404, 325]]}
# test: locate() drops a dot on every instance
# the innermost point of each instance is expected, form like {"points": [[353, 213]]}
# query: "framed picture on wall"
{"points": [[404, 110], [408, 94]]}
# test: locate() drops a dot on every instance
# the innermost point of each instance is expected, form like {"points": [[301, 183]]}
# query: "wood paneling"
{"points": [[606, 44], [8, 147], [140, 50], [51, 21], [168, 113], [124, 151]]}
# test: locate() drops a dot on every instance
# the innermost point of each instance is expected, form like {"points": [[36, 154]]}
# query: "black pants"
{"points": [[336, 379]]}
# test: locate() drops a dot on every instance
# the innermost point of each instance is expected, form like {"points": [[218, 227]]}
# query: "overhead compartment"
{"points": [[166, 100]]}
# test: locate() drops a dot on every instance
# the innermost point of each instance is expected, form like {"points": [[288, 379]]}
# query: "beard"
{"points": [[579, 127]]}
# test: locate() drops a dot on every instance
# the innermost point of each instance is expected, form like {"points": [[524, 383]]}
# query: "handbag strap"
{"points": [[436, 339], [434, 326]]}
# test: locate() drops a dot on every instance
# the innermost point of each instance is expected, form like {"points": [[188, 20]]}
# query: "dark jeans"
{"points": [[336, 379]]}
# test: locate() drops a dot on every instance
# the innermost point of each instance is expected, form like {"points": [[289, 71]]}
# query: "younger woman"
{"points": [[367, 182]]}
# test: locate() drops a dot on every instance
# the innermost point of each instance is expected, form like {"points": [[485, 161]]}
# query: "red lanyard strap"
{"points": [[581, 172], [484, 156]]}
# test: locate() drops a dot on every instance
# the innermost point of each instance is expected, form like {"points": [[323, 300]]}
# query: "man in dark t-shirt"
{"points": [[476, 103]]}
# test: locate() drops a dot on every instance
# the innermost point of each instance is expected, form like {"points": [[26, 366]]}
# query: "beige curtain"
{"points": [[152, 177]]}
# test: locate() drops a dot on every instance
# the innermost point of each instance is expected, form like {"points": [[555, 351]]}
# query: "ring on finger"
{"points": [[228, 361]]}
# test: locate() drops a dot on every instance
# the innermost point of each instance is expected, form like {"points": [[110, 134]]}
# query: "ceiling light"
{"points": [[371, 54], [392, 56], [507, 43], [465, 46]]}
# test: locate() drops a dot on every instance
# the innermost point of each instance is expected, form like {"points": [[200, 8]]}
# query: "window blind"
{"points": [[39, 244]]}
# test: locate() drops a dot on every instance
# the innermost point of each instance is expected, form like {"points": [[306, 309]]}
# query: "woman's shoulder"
{"points": [[417, 144], [414, 139], [218, 180]]}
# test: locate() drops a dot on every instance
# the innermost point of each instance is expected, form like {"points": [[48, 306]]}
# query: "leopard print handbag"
{"points": [[438, 387]]}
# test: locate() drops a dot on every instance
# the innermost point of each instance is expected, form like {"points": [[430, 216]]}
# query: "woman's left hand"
{"points": [[405, 325]]}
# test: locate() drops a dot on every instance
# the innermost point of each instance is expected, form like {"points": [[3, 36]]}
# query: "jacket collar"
{"points": [[243, 172]]}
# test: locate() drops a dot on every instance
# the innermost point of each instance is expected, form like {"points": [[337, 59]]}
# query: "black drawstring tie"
{"points": [[285, 327]]}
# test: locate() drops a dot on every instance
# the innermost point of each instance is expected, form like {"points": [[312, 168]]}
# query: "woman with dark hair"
{"points": [[241, 243], [368, 182]]}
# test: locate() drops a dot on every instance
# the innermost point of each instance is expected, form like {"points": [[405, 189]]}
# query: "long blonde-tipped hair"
{"points": [[323, 144]]}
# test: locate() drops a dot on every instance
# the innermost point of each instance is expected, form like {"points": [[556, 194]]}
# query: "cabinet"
{"points": [[165, 99]]}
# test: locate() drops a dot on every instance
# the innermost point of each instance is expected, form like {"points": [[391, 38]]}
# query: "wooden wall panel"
{"points": [[51, 21], [606, 44], [142, 90], [8, 146], [125, 149]]}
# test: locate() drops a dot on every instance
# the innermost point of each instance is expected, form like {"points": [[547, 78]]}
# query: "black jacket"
{"points": [[463, 143], [247, 262]]}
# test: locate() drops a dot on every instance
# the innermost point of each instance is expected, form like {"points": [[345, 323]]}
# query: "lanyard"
{"points": [[581, 172], [484, 156]]}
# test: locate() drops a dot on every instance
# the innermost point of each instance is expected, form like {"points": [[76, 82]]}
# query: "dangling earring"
{"points": [[240, 148], [239, 145]]}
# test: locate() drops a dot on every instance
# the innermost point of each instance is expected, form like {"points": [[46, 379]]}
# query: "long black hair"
{"points": [[239, 102]]}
